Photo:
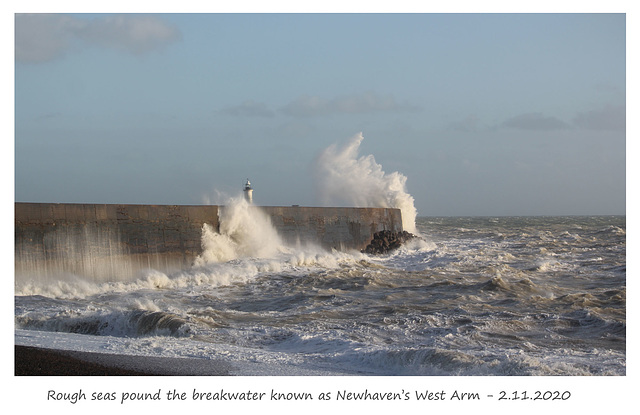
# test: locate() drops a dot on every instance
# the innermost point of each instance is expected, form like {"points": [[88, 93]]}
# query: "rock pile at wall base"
{"points": [[387, 241]]}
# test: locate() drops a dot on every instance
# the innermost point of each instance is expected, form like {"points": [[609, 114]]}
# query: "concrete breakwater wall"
{"points": [[106, 240]]}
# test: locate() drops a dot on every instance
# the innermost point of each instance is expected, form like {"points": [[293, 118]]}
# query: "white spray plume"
{"points": [[245, 231], [343, 178]]}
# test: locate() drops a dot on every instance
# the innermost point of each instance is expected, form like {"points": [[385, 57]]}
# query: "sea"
{"points": [[471, 296]]}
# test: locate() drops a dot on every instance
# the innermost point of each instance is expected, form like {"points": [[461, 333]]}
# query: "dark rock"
{"points": [[387, 241]]}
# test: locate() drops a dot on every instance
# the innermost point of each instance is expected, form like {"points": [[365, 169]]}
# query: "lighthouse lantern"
{"points": [[248, 192]]}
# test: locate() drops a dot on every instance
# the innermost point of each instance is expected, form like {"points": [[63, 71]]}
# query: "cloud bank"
{"points": [[368, 102], [608, 118], [307, 106], [46, 37], [535, 121]]}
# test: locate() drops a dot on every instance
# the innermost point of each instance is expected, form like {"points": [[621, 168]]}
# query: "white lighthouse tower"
{"points": [[248, 192]]}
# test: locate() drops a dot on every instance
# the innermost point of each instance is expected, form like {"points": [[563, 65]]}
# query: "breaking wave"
{"points": [[245, 231], [344, 178], [133, 323]]}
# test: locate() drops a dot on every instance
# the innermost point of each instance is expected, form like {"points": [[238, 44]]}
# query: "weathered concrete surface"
{"points": [[338, 228], [103, 240], [106, 240]]}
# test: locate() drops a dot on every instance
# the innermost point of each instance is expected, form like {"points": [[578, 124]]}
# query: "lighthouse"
{"points": [[248, 192]]}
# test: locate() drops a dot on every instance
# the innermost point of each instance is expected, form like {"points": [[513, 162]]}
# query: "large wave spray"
{"points": [[344, 178], [245, 231]]}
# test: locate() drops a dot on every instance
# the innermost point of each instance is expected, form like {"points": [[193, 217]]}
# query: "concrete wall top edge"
{"points": [[198, 205], [57, 206], [70, 213]]}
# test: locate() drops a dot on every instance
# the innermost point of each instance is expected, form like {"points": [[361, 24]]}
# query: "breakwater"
{"points": [[104, 240]]}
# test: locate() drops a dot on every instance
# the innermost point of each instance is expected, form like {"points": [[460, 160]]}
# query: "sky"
{"points": [[485, 114]]}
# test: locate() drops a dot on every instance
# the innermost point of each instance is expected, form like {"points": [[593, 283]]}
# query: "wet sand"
{"points": [[33, 361]]}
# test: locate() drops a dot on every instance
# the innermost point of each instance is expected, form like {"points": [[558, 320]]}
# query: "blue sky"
{"points": [[485, 114]]}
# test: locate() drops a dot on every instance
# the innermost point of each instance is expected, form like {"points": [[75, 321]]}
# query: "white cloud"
{"points": [[45, 37], [307, 106], [135, 34]]}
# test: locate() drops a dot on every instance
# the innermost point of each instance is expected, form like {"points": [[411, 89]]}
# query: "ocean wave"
{"points": [[439, 361], [133, 323], [519, 286], [461, 305], [613, 229]]}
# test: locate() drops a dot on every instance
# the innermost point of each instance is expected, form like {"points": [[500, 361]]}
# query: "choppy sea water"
{"points": [[477, 296]]}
